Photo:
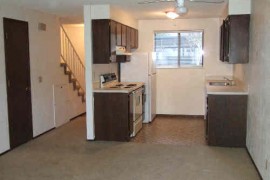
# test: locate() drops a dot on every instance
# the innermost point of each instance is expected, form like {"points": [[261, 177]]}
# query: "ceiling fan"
{"points": [[180, 8]]}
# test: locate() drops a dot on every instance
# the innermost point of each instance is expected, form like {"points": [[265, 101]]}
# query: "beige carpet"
{"points": [[64, 154]]}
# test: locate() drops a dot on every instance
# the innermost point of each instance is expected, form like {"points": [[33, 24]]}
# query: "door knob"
{"points": [[27, 89]]}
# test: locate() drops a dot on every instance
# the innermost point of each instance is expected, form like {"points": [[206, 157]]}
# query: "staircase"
{"points": [[72, 64]]}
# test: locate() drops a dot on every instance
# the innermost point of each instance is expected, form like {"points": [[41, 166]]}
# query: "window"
{"points": [[179, 49]]}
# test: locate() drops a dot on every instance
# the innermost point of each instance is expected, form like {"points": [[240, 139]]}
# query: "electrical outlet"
{"points": [[40, 79]]}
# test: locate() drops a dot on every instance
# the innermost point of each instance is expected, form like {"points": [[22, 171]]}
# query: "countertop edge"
{"points": [[106, 90], [239, 89]]}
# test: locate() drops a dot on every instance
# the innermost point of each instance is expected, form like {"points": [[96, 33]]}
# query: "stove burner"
{"points": [[119, 85], [130, 85]]}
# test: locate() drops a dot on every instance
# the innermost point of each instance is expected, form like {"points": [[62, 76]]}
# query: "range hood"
{"points": [[121, 51]]}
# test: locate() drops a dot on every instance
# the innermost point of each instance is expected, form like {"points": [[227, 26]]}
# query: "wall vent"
{"points": [[42, 27]]}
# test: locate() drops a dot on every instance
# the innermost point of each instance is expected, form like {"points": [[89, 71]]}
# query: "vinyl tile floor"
{"points": [[64, 154], [174, 130]]}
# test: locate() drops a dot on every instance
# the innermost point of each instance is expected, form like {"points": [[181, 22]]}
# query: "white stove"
{"points": [[136, 94], [109, 83]]}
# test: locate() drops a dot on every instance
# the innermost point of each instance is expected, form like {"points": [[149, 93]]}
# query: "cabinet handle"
{"points": [[8, 83]]}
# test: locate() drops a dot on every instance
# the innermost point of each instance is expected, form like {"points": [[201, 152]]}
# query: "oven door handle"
{"points": [[140, 90]]}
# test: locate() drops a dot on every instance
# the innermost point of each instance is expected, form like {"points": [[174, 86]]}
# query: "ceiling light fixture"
{"points": [[172, 15]]}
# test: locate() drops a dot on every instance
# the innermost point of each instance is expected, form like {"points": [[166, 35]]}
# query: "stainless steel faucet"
{"points": [[227, 79], [230, 80]]}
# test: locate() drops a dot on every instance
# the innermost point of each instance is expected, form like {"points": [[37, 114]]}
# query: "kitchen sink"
{"points": [[221, 83]]}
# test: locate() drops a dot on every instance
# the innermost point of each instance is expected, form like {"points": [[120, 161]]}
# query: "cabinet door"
{"points": [[124, 35], [136, 41], [119, 34], [227, 116], [221, 51], [226, 40], [238, 38], [101, 41], [131, 113], [128, 39], [132, 38], [113, 40]]}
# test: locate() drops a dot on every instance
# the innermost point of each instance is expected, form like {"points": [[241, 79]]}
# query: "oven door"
{"points": [[138, 103], [131, 114]]}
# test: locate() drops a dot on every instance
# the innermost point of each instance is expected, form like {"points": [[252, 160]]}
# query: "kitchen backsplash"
{"points": [[99, 69]]}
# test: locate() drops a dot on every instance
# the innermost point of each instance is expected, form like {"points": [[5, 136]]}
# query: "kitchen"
{"points": [[187, 96], [140, 67], [134, 66]]}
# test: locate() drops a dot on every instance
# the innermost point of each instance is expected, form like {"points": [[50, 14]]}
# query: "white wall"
{"points": [[76, 35], [257, 75], [239, 7], [44, 62], [181, 91], [123, 17]]}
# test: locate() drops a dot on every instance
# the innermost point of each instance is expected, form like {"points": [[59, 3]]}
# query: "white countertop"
{"points": [[238, 89], [97, 88]]}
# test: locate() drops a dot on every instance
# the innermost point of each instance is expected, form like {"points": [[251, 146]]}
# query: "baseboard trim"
{"points": [[3, 153], [44, 133], [77, 116], [180, 116], [254, 163]]}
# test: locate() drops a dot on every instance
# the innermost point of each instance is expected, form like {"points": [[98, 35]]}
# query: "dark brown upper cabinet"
{"points": [[104, 41], [234, 39], [128, 42], [106, 35], [134, 38], [119, 34], [113, 32], [124, 35]]}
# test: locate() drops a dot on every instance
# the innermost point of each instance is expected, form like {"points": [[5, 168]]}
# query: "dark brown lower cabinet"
{"points": [[226, 120], [112, 117]]}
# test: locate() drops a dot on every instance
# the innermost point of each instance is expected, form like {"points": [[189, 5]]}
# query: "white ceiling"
{"points": [[74, 8]]}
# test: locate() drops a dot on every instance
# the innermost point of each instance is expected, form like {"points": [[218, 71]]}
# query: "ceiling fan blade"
{"points": [[155, 1], [205, 1]]}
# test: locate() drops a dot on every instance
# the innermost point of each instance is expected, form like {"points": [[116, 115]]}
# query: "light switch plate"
{"points": [[40, 79]]}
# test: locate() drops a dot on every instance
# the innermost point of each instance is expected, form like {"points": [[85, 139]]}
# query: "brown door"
{"points": [[18, 81]]}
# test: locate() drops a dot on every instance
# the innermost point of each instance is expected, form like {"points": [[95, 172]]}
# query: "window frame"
{"points": [[179, 49]]}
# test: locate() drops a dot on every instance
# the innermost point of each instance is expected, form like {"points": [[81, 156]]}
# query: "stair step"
{"points": [[68, 72], [72, 80], [80, 93], [83, 99], [76, 87], [62, 64]]}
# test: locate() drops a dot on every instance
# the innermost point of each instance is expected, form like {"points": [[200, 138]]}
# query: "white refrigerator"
{"points": [[142, 68]]}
